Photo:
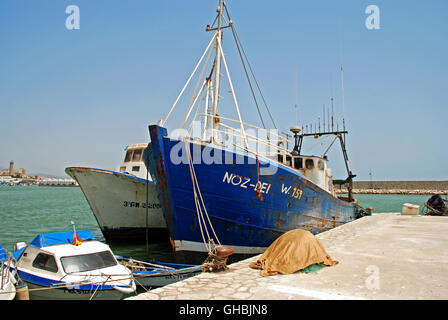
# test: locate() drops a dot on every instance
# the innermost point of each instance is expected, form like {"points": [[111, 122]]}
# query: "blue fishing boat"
{"points": [[153, 274], [234, 184]]}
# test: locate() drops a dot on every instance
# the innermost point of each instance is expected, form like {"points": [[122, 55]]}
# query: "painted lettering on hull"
{"points": [[246, 183], [263, 187], [135, 204]]}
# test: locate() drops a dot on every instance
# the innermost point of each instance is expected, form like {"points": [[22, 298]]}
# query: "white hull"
{"points": [[124, 206], [7, 290]]}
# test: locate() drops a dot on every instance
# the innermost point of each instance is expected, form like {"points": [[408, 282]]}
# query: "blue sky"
{"points": [[78, 97]]}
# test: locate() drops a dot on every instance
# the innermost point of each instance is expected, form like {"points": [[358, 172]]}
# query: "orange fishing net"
{"points": [[291, 252]]}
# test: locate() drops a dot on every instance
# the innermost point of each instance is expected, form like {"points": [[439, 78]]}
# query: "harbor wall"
{"points": [[397, 187]]}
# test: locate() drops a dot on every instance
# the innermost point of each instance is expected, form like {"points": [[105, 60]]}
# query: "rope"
{"points": [[93, 294], [214, 262], [199, 202], [248, 78], [237, 40]]}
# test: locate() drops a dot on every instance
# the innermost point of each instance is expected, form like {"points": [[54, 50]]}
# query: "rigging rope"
{"points": [[239, 44]]}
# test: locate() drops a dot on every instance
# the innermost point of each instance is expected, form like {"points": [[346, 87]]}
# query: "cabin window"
{"points": [[280, 158], [136, 168], [128, 156], [309, 163], [321, 165], [288, 160], [88, 262], [122, 169], [137, 156], [45, 262], [298, 163]]}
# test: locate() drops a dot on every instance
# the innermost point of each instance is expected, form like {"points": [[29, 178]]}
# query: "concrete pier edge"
{"points": [[386, 256]]}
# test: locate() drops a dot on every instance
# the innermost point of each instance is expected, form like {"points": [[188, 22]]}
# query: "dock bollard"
{"points": [[22, 292]]}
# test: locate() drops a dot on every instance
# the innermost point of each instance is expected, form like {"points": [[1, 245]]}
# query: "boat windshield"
{"points": [[137, 156], [88, 262]]}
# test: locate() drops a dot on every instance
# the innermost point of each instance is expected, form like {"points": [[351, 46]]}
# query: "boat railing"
{"points": [[274, 147], [271, 132], [264, 143]]}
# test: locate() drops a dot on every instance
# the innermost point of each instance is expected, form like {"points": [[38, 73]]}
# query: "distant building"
{"points": [[11, 172]]}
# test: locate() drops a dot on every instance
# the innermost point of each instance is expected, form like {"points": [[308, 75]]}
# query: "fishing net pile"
{"points": [[291, 252]]}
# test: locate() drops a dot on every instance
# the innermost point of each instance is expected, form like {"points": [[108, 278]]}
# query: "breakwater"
{"points": [[397, 187]]}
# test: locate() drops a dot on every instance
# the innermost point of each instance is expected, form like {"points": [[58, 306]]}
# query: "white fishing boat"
{"points": [[72, 266], [124, 202], [7, 279]]}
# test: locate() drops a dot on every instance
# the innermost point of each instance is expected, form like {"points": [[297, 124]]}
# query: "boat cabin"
{"points": [[314, 168], [54, 254], [133, 161]]}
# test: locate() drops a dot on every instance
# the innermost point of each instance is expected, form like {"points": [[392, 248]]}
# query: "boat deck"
{"points": [[384, 256]]}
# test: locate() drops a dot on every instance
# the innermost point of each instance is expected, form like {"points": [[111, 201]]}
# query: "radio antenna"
{"points": [[342, 81], [324, 117], [332, 114]]}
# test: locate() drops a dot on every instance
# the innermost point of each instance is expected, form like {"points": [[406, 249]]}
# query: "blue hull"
{"points": [[240, 217]]}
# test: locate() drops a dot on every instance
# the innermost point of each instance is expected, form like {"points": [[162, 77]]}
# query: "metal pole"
{"points": [[217, 65]]}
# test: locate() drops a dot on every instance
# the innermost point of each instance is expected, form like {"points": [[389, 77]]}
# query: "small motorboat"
{"points": [[72, 266], [151, 274], [7, 279]]}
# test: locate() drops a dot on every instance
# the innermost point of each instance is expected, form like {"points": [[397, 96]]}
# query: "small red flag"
{"points": [[76, 240]]}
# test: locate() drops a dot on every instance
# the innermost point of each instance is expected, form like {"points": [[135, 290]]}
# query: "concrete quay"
{"points": [[386, 256]]}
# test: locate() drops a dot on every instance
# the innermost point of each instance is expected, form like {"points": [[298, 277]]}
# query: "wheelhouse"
{"points": [[314, 168], [133, 161]]}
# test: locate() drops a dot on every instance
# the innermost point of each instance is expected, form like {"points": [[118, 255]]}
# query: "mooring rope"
{"points": [[198, 202]]}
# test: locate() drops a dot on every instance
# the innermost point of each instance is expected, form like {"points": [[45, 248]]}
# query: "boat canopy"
{"points": [[3, 254], [50, 239]]}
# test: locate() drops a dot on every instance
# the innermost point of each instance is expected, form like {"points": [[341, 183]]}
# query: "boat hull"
{"points": [[247, 220], [126, 207], [7, 290], [160, 279], [39, 292], [46, 289]]}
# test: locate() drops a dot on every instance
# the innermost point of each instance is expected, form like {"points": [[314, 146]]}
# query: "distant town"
{"points": [[12, 177]]}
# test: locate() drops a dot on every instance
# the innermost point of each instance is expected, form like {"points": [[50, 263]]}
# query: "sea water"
{"points": [[382, 203], [26, 211]]}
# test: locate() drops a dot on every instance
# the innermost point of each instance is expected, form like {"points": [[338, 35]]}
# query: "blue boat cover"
{"points": [[50, 239], [17, 254], [3, 255]]}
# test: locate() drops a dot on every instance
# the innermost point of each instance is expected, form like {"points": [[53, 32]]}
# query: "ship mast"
{"points": [[212, 87], [217, 68]]}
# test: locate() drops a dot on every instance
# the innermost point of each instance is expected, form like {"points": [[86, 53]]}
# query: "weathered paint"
{"points": [[239, 216], [120, 204]]}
